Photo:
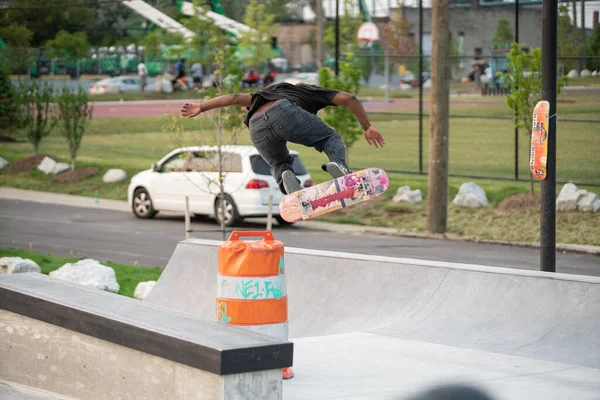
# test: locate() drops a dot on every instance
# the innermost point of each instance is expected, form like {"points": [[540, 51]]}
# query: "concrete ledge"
{"points": [[207, 345]]}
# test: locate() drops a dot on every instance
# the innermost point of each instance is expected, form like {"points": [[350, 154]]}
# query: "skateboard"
{"points": [[539, 140], [332, 195]]}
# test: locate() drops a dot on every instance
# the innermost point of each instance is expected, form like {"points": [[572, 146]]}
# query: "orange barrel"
{"points": [[251, 285]]}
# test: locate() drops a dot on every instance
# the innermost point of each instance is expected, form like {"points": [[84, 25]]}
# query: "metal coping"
{"points": [[204, 344]]}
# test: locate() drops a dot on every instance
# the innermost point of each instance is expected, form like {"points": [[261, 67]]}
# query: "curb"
{"points": [[119, 205]]}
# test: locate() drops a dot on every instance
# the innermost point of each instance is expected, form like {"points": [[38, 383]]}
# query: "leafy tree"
{"points": [[75, 115], [45, 18], [257, 41], [18, 38], [348, 26], [570, 40], [504, 33], [68, 46], [341, 119], [10, 116], [37, 111], [155, 41], [594, 48], [525, 75]]}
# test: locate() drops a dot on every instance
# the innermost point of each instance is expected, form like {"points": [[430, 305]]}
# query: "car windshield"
{"points": [[260, 167]]}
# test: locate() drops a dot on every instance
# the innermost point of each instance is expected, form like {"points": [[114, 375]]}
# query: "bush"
{"points": [[75, 115]]}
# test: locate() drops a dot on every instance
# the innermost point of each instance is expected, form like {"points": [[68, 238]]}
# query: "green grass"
{"points": [[128, 276]]}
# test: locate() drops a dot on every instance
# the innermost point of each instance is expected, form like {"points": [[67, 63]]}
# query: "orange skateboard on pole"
{"points": [[539, 140], [332, 195]]}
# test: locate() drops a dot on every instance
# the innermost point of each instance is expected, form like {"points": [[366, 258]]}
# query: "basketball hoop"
{"points": [[367, 32]]}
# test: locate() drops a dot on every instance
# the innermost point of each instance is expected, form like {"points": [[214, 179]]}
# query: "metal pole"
{"points": [[516, 129], [548, 208], [337, 37], [187, 217], [270, 214], [420, 86]]}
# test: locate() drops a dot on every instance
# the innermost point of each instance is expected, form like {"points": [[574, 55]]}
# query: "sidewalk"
{"points": [[119, 205]]}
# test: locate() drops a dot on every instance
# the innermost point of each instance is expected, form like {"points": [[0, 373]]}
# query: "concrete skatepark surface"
{"points": [[390, 328]]}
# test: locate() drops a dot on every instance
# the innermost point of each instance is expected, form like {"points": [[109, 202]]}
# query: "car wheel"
{"points": [[232, 216], [282, 221], [142, 204]]}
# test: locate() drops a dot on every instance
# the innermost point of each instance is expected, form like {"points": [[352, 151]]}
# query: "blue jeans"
{"points": [[285, 122]]}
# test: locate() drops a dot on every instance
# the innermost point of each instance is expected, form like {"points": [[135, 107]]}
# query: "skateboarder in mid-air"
{"points": [[282, 113]]}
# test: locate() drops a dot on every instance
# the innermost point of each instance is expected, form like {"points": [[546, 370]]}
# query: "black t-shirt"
{"points": [[308, 97]]}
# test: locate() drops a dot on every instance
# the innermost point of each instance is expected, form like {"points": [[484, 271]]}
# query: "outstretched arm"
{"points": [[191, 110], [372, 135]]}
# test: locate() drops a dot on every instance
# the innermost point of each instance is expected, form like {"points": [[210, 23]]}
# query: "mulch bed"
{"points": [[28, 163], [520, 202], [76, 175]]}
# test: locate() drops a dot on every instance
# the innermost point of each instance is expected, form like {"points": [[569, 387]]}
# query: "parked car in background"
{"points": [[311, 78], [116, 85], [193, 172]]}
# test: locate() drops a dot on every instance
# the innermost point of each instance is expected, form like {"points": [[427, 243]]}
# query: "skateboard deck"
{"points": [[332, 195], [539, 140]]}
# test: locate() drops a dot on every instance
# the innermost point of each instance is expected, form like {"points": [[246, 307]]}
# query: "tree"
{"points": [[46, 17], [525, 77], [18, 38], [75, 115], [68, 47], [594, 48], [504, 34], [570, 40], [396, 33], [348, 24], [437, 191], [10, 115], [341, 119], [257, 41], [37, 111]]}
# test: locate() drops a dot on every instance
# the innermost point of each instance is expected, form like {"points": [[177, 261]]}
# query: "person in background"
{"points": [[197, 74], [142, 73]]}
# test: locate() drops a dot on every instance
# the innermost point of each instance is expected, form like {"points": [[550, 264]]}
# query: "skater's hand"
{"points": [[374, 137], [191, 110]]}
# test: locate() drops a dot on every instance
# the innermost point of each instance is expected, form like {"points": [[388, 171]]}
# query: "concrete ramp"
{"points": [[379, 327]]}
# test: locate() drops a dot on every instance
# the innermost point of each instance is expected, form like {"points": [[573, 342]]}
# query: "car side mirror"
{"points": [[155, 168]]}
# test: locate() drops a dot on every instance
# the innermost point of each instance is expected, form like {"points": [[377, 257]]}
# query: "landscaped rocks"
{"points": [[17, 265], [470, 195], [143, 289], [586, 72], [3, 163], [89, 273], [571, 198], [49, 166], [405, 194], [573, 73], [114, 175]]}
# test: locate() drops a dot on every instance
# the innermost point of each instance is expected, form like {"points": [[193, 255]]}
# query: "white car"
{"points": [[311, 78], [116, 85], [193, 172]]}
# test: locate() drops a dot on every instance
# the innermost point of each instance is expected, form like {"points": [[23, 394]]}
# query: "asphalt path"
{"points": [[119, 236]]}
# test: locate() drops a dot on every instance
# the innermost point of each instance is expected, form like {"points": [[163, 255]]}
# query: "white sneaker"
{"points": [[290, 182], [336, 170]]}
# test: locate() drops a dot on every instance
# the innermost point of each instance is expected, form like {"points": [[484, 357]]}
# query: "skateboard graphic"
{"points": [[332, 195], [539, 140]]}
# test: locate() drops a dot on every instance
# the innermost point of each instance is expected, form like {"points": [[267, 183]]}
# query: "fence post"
{"points": [[420, 87], [187, 217]]}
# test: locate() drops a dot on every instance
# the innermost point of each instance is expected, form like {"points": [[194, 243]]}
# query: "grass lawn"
{"points": [[478, 147], [128, 276]]}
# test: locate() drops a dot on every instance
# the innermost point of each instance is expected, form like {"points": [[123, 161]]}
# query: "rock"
{"points": [[17, 265], [405, 194], [595, 73], [143, 289], [470, 195], [3, 163], [114, 175], [573, 73], [89, 273], [61, 167], [586, 72], [567, 198], [427, 83], [589, 202], [47, 165], [571, 198]]}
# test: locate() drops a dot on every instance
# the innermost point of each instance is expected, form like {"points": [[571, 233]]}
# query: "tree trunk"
{"points": [[437, 193], [72, 163]]}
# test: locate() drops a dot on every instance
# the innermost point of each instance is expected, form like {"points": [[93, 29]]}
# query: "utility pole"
{"points": [[548, 191], [437, 193]]}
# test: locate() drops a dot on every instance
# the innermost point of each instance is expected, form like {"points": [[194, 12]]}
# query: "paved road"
{"points": [[118, 236]]}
